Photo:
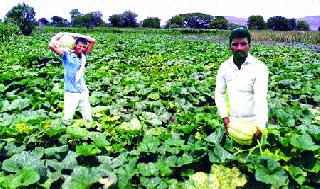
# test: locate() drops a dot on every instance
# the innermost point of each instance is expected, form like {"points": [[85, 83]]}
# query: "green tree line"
{"points": [[23, 16]]}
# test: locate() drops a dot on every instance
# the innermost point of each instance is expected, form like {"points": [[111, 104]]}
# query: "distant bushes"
{"points": [[197, 21], [126, 19], [7, 31], [151, 22]]}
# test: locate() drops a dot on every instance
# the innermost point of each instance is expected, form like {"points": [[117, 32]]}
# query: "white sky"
{"points": [[165, 9]]}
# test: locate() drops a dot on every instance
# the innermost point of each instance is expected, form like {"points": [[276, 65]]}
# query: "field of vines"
{"points": [[155, 120]]}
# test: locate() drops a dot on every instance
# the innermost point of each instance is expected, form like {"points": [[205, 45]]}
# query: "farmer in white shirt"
{"points": [[242, 79], [76, 92]]}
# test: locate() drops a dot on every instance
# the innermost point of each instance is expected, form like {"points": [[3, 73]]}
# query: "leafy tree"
{"points": [[74, 13], [278, 23], [81, 21], [115, 20], [303, 26], [128, 19], [58, 21], [292, 24], [176, 21], [22, 15], [256, 23], [151, 22], [219, 23], [43, 21], [97, 18], [197, 20], [90, 20]]}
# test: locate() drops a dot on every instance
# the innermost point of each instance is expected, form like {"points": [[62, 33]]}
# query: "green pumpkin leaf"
{"points": [[148, 169], [76, 132], [52, 177], [297, 174], [25, 159], [303, 142], [149, 144], [17, 104], [69, 162], [270, 172], [219, 154], [151, 118], [54, 151], [154, 182], [23, 177], [81, 178], [87, 150], [13, 149]]}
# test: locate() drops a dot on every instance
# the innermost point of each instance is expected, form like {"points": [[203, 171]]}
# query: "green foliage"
{"points": [[278, 23], [8, 31], [292, 24], [74, 13], [194, 20], [58, 21], [128, 19], [125, 20], [175, 22], [197, 20], [219, 23], [43, 22], [22, 15], [256, 23], [90, 20], [155, 122], [87, 150], [25, 159], [151, 22], [303, 142], [271, 172], [24, 177], [302, 25], [82, 177], [115, 20]]}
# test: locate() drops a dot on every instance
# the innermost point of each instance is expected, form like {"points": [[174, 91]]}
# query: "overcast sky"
{"points": [[165, 9]]}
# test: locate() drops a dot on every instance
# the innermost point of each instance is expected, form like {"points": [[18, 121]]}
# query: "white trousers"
{"points": [[72, 101]]}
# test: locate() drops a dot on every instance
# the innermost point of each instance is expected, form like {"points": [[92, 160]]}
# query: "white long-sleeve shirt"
{"points": [[246, 89]]}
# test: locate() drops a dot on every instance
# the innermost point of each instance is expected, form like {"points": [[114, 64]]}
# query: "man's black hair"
{"points": [[82, 40], [240, 33]]}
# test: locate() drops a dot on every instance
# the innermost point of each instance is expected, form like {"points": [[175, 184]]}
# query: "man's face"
{"points": [[240, 48], [80, 48]]}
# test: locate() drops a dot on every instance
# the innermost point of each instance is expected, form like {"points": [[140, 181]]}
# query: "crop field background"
{"points": [[155, 121]]}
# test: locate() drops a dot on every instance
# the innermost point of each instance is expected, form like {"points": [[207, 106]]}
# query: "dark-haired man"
{"points": [[242, 79], [76, 92]]}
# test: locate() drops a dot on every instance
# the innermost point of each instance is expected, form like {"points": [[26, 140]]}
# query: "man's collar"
{"points": [[246, 62]]}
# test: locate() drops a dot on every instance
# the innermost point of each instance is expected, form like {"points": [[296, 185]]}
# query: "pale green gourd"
{"points": [[242, 131], [67, 41]]}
